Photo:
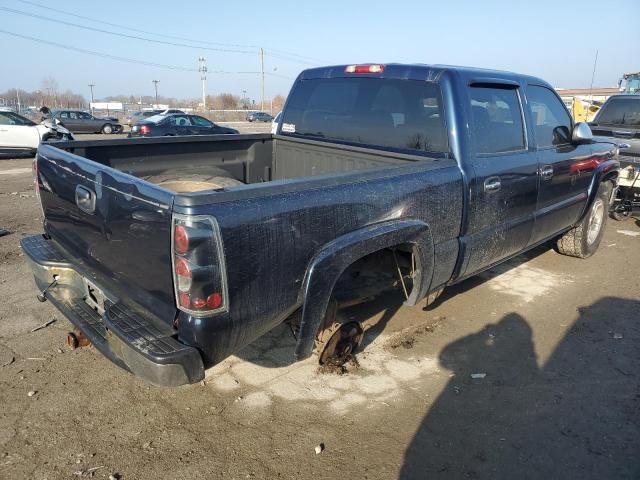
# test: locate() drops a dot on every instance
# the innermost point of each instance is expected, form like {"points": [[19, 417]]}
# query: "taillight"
{"points": [[364, 69], [181, 239], [144, 129], [198, 265]]}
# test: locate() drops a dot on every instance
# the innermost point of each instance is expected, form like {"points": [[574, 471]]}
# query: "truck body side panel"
{"points": [[270, 240]]}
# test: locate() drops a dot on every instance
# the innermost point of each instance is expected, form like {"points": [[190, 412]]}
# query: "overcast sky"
{"points": [[551, 39]]}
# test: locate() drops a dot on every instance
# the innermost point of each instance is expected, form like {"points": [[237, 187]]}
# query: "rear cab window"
{"points": [[620, 111], [496, 115], [390, 114]]}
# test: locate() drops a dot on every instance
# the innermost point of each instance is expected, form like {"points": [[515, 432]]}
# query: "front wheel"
{"points": [[583, 240], [107, 129]]}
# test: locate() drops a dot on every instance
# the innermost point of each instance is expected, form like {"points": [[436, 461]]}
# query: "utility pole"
{"points": [[203, 76], [155, 83], [91, 85], [262, 69], [18, 95]]}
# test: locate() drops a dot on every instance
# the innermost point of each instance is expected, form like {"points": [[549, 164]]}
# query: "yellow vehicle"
{"points": [[582, 113]]}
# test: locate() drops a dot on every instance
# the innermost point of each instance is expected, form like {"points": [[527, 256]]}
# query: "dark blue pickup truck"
{"points": [[170, 254]]}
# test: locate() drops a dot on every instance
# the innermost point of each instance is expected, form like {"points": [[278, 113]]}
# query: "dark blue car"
{"points": [[177, 125]]}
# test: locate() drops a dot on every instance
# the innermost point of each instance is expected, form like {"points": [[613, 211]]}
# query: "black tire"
{"points": [[107, 129], [619, 213], [194, 182], [583, 240]]}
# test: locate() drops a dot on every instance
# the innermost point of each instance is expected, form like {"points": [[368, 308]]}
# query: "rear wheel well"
{"points": [[383, 270]]}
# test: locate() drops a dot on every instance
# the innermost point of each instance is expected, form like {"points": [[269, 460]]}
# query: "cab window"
{"points": [[201, 122], [496, 119], [181, 121], [551, 120]]}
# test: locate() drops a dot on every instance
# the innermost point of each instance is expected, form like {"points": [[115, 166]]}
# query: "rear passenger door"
{"points": [[565, 170], [504, 189], [182, 124]]}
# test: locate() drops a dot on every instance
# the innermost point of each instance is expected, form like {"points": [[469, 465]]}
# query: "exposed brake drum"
{"points": [[338, 339]]}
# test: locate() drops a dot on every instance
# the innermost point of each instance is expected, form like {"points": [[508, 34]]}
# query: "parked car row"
{"points": [[21, 136], [137, 116], [177, 124], [259, 117], [78, 121]]}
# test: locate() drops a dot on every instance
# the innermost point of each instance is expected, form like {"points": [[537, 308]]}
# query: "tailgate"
{"points": [[620, 135], [117, 225]]}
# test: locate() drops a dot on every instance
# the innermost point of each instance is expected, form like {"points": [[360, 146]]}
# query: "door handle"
{"points": [[546, 172], [492, 184], [85, 199]]}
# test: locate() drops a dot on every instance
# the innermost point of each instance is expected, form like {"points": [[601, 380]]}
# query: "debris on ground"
{"points": [[44, 325], [629, 233], [9, 361], [319, 448], [89, 472], [32, 393], [407, 337], [339, 368], [115, 476], [478, 375], [4, 231]]}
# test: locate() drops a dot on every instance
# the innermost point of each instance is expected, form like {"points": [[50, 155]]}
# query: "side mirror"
{"points": [[581, 134]]}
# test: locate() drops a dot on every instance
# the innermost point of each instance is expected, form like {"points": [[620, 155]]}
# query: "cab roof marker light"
{"points": [[364, 69]]}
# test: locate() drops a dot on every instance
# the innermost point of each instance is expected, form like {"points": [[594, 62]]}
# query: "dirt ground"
{"points": [[528, 371]]}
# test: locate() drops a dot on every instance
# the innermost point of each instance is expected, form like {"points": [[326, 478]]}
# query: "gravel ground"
{"points": [[527, 371]]}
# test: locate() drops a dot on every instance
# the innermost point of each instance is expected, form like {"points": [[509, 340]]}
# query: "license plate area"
{"points": [[94, 296]]}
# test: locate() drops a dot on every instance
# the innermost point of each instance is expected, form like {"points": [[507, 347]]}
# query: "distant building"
{"points": [[587, 94]]}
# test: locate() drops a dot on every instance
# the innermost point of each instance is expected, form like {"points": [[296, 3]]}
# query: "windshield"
{"points": [[621, 111], [404, 115], [10, 118]]}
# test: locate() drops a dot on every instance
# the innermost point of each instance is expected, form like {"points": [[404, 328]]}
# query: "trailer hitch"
{"points": [[42, 296]]}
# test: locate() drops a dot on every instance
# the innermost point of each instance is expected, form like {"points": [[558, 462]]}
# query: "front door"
{"points": [[504, 189], [565, 169]]}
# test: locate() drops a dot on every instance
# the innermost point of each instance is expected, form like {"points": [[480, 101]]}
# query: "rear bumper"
{"points": [[131, 339]]}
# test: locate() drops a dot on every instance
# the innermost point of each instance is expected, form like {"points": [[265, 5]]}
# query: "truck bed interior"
{"points": [[246, 158]]}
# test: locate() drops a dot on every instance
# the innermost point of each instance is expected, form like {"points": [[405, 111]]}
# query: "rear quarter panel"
{"points": [[271, 233]]}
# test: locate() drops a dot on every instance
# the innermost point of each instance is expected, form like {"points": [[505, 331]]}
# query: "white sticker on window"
{"points": [[289, 128]]}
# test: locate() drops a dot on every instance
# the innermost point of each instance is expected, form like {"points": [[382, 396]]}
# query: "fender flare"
{"points": [[607, 170], [331, 261]]}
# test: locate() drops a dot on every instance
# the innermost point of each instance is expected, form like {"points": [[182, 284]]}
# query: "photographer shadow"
{"points": [[577, 416]]}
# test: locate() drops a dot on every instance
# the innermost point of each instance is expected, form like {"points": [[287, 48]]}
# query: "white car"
{"points": [[275, 122], [19, 135]]}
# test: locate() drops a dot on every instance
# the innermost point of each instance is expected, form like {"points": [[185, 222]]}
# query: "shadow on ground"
{"points": [[576, 416], [382, 308]]}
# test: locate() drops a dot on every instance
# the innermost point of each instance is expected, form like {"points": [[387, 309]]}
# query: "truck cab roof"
{"points": [[419, 71]]}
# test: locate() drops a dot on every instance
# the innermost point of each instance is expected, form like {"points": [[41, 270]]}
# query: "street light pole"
{"points": [[203, 76], [155, 83], [262, 68], [91, 85]]}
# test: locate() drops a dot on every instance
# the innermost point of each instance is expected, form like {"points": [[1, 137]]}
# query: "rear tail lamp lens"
{"points": [[198, 265], [184, 275], [144, 129], [181, 239]]}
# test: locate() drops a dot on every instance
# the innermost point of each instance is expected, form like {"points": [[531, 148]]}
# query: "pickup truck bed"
{"points": [[255, 158], [408, 177]]}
